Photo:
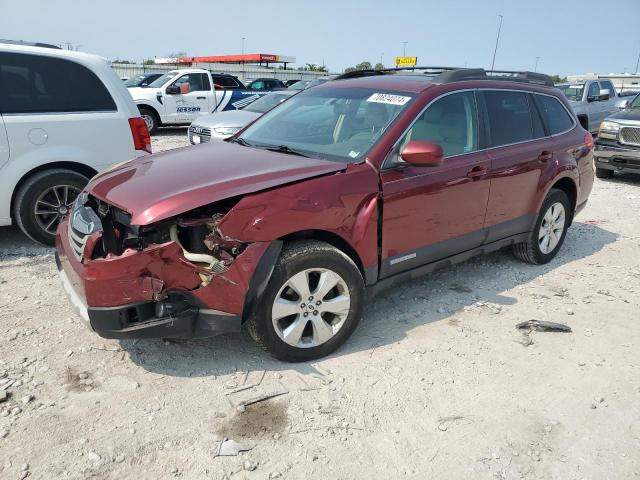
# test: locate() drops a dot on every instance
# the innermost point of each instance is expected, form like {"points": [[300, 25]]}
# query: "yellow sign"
{"points": [[406, 61]]}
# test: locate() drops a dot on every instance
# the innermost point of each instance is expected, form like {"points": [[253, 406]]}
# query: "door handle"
{"points": [[201, 98], [545, 156], [476, 172]]}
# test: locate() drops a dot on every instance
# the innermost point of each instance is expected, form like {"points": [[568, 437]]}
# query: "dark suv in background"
{"points": [[362, 182], [618, 143]]}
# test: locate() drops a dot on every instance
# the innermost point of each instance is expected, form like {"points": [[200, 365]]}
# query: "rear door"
{"points": [[195, 101], [519, 152], [430, 213]]}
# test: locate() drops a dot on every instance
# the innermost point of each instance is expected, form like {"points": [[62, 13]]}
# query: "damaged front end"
{"points": [[181, 277]]}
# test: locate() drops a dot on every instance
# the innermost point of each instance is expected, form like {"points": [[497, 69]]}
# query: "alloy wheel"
{"points": [[551, 228], [53, 204], [311, 307]]}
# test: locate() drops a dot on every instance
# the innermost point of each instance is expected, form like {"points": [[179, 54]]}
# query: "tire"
{"points": [[41, 190], [151, 118], [321, 325], [603, 173], [535, 250]]}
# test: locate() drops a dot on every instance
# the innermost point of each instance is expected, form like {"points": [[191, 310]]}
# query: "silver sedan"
{"points": [[221, 125]]}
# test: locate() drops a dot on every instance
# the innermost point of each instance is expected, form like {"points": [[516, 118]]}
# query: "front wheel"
{"points": [[549, 231], [311, 305], [150, 118]]}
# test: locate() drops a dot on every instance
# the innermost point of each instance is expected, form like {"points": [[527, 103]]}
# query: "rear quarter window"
{"points": [[41, 84], [555, 115]]}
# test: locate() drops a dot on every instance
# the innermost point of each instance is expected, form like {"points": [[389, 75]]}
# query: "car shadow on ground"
{"points": [[387, 318], [624, 178]]}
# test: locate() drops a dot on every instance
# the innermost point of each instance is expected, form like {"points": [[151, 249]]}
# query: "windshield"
{"points": [[158, 82], [134, 81], [340, 124], [572, 92], [299, 85], [266, 103]]}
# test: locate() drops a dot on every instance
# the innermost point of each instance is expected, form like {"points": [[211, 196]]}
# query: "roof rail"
{"points": [[454, 74], [29, 44]]}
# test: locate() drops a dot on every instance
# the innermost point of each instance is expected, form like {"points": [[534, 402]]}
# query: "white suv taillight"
{"points": [[140, 132]]}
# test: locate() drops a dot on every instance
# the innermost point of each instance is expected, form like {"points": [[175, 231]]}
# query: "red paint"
{"points": [[279, 195]]}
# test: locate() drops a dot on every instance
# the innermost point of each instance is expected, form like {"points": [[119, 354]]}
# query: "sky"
{"points": [[568, 36]]}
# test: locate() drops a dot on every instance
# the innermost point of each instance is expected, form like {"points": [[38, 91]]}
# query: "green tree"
{"points": [[558, 79], [364, 66], [148, 61], [379, 66]]}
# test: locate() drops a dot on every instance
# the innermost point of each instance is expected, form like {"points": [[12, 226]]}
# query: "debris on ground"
{"points": [[543, 326], [230, 448]]}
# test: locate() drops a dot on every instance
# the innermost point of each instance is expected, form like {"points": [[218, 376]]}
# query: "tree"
{"points": [[148, 61], [122, 62], [379, 66], [364, 66], [361, 66], [558, 79]]}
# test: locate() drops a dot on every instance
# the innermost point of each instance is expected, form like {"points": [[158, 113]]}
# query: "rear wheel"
{"points": [[150, 118], [312, 304], [603, 173], [549, 231], [44, 199]]}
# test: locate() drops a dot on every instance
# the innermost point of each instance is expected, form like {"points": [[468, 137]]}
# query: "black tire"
{"points": [[530, 250], [297, 257], [32, 189], [151, 117], [603, 173]]}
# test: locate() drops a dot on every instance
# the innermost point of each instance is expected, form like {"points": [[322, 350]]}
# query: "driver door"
{"points": [[192, 101], [430, 213]]}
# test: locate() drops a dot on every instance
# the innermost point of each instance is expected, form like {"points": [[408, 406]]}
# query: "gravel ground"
{"points": [[435, 383]]}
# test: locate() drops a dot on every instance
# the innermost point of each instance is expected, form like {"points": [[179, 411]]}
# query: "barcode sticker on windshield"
{"points": [[388, 98]]}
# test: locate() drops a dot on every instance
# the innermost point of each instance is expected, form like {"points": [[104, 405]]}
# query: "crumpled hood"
{"points": [[159, 186]]}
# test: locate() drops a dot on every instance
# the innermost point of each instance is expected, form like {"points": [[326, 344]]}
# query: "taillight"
{"points": [[588, 140], [140, 133]]}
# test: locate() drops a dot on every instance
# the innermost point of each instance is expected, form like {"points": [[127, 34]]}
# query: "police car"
{"points": [[180, 96]]}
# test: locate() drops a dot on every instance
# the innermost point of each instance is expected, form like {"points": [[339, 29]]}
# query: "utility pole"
{"points": [[243, 75], [535, 69], [638, 63], [493, 62], [404, 49]]}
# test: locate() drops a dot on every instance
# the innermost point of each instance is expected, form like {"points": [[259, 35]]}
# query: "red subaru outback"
{"points": [[346, 187]]}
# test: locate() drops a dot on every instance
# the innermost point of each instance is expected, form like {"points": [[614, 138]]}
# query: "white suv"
{"points": [[64, 116]]}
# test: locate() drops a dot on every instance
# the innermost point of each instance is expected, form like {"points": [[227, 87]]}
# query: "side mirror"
{"points": [[173, 90], [422, 154], [185, 88], [605, 94]]}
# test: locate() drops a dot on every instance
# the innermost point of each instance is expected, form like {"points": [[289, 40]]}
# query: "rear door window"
{"points": [[594, 90], [555, 115], [606, 84], [510, 117], [41, 84]]}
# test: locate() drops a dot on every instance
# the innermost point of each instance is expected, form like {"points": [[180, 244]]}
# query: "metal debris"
{"points": [[543, 326]]}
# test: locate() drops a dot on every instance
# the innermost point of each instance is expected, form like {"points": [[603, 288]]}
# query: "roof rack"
{"points": [[29, 44], [454, 74]]}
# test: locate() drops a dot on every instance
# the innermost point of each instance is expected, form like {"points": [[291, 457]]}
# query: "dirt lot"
{"points": [[435, 383]]}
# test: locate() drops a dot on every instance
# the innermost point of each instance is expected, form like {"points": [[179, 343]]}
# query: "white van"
{"points": [[64, 116]]}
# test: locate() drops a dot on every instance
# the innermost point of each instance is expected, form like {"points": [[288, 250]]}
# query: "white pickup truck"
{"points": [[180, 96]]}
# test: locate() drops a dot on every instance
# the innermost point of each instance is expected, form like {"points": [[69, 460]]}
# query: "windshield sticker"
{"points": [[388, 98], [576, 86], [353, 154]]}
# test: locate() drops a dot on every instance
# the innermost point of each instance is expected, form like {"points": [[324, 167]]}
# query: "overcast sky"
{"points": [[569, 36]]}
